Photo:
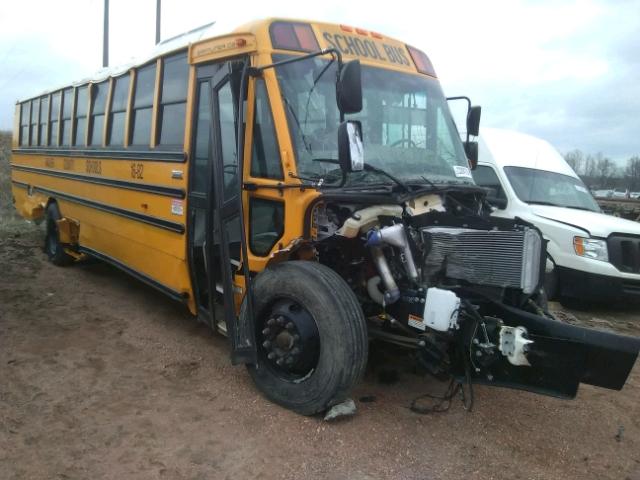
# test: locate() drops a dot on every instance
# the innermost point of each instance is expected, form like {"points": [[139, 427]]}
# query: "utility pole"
{"points": [[158, 21], [105, 32]]}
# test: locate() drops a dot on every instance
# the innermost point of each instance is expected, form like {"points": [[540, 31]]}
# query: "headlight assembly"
{"points": [[591, 248]]}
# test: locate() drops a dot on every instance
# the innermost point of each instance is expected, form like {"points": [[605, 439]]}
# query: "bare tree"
{"points": [[575, 159], [605, 168], [633, 172]]}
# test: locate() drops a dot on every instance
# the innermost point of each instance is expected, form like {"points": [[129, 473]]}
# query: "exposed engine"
{"points": [[427, 272]]}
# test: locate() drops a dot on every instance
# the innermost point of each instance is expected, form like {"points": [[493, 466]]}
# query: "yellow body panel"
{"points": [[147, 231]]}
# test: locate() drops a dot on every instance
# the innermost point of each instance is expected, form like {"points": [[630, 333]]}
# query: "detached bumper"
{"points": [[579, 284]]}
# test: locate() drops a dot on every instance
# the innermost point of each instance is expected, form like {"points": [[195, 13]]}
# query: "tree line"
{"points": [[600, 172]]}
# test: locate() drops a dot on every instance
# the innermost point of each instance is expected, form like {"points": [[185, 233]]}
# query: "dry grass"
{"points": [[10, 222]]}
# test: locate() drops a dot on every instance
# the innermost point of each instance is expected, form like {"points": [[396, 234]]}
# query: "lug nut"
{"points": [[280, 320], [271, 322], [266, 344], [280, 361], [266, 331], [290, 361], [271, 355], [295, 351], [290, 326]]}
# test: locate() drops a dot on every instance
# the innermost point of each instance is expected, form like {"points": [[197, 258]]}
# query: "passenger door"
{"points": [[215, 241]]}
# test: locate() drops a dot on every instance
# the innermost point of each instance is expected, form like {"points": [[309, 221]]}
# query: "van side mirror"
{"points": [[473, 121], [350, 148], [349, 88], [471, 150]]}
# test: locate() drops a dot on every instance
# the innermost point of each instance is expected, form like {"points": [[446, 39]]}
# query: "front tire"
{"points": [[311, 336], [52, 245]]}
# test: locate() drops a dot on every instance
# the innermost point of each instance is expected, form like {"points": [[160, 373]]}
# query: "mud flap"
{"points": [[561, 357]]}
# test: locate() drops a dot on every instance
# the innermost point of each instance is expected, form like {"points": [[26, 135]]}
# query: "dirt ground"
{"points": [[103, 377]]}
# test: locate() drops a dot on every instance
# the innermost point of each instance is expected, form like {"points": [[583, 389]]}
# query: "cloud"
{"points": [[563, 70]]}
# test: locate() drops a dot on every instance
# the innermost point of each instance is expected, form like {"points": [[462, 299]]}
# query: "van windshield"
{"points": [[407, 128], [550, 188]]}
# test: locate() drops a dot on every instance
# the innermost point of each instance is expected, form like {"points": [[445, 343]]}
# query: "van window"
{"points": [[25, 112], [486, 177], [44, 121]]}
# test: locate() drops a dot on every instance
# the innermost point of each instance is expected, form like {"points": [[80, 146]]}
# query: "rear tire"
{"points": [[315, 304], [52, 246]]}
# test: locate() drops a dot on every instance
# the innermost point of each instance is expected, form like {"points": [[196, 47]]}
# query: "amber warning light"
{"points": [[422, 62], [293, 36]]}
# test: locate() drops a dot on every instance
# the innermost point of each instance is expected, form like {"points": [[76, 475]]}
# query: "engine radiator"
{"points": [[509, 259]]}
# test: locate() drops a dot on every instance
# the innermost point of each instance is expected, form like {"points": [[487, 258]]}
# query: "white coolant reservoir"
{"points": [[441, 309]]}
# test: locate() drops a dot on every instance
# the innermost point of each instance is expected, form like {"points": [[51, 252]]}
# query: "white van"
{"points": [[590, 255]]}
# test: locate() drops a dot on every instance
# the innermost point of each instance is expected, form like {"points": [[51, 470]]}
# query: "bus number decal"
{"points": [[67, 164], [49, 162], [137, 170], [94, 167]]}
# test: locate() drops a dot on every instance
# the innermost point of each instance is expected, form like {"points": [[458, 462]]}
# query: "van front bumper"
{"points": [[591, 286]]}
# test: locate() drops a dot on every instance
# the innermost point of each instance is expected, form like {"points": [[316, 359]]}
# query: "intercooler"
{"points": [[508, 259]]}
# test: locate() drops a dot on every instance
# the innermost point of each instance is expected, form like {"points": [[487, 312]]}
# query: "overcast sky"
{"points": [[567, 71]]}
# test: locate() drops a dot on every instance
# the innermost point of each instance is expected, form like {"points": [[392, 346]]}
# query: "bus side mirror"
{"points": [[350, 149], [349, 88], [473, 121], [471, 150]]}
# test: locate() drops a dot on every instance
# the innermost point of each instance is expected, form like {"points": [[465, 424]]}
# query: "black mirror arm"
{"points": [[257, 71]]}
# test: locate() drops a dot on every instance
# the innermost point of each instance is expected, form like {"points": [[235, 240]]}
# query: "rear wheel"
{"points": [[311, 336], [52, 246]]}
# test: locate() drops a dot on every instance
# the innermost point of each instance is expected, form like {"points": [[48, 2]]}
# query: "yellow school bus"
{"points": [[303, 188]]}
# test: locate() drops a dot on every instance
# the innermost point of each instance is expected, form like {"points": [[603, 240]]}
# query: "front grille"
{"points": [[498, 258], [624, 252]]}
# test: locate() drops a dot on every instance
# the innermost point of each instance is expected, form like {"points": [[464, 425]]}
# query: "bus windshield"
{"points": [[407, 128]]}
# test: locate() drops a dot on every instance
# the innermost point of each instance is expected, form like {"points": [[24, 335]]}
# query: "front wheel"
{"points": [[311, 336]]}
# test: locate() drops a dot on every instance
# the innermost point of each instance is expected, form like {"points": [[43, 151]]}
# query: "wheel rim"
{"points": [[289, 341]]}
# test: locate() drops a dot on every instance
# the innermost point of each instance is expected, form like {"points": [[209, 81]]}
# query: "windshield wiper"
{"points": [[295, 118], [370, 168], [575, 207], [315, 82], [541, 202]]}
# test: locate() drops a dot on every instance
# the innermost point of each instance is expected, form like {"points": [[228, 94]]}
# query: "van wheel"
{"points": [[311, 336], [52, 246]]}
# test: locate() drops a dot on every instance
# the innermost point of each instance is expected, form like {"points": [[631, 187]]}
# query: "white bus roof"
{"points": [[509, 148]]}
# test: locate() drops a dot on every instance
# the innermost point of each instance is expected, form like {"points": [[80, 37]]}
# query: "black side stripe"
{"points": [[181, 297], [140, 217], [141, 155], [111, 182], [20, 184]]}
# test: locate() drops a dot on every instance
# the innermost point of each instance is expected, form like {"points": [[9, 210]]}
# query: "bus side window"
{"points": [[65, 126], [117, 115], [175, 75], [266, 224], [265, 158], [82, 101], [33, 131], [25, 111], [53, 119], [486, 177], [98, 103], [44, 121], [143, 106]]}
